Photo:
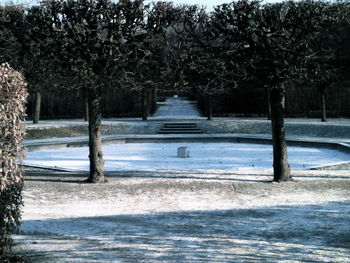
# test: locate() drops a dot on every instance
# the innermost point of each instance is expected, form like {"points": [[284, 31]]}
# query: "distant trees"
{"points": [[149, 53], [181, 43], [12, 35], [323, 64], [37, 63], [213, 68], [23, 39], [161, 50]]}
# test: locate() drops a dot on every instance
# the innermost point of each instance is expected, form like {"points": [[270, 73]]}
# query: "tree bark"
{"points": [[86, 109], [145, 104], [268, 103], [323, 106], [95, 142], [280, 156], [209, 107], [37, 107], [154, 100]]}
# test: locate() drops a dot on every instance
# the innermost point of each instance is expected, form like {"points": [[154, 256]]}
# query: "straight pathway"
{"points": [[178, 109]]}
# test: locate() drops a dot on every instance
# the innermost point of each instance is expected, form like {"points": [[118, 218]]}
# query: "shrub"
{"points": [[13, 95]]}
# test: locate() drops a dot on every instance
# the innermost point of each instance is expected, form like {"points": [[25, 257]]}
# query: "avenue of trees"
{"points": [[94, 47]]}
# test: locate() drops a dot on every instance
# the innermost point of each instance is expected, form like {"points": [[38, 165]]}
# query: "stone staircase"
{"points": [[180, 128]]}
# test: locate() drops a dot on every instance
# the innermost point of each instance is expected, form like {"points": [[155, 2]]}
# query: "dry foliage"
{"points": [[13, 95]]}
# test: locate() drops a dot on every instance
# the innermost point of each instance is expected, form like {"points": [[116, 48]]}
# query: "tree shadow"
{"points": [[194, 175], [42, 175], [79, 177], [207, 175], [310, 233]]}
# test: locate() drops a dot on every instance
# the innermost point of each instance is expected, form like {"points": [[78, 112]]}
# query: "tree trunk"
{"points": [[37, 107], [95, 142], [323, 106], [154, 100], [268, 103], [209, 107], [280, 156], [86, 109], [145, 104]]}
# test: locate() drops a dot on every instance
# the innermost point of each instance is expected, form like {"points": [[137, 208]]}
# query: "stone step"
{"points": [[180, 128], [180, 125], [179, 132]]}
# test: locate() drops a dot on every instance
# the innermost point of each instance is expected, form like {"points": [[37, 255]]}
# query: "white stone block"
{"points": [[183, 152]]}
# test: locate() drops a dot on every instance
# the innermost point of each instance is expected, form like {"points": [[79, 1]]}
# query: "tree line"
{"points": [[95, 46]]}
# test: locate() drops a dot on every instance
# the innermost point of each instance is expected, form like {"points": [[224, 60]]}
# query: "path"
{"points": [[177, 108]]}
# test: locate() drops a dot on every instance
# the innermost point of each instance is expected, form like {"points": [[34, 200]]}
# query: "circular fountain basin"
{"points": [[153, 156]]}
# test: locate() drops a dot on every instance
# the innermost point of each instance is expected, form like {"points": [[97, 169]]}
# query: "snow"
{"points": [[176, 221], [177, 108], [163, 156]]}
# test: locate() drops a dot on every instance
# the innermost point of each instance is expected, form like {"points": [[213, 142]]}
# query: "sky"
{"points": [[207, 3]]}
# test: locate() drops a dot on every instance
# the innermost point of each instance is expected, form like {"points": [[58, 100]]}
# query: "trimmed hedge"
{"points": [[13, 96]]}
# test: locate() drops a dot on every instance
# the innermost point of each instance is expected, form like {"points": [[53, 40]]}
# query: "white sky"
{"points": [[208, 3]]}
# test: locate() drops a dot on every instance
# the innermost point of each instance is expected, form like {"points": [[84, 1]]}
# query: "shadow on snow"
{"points": [[309, 233], [233, 176]]}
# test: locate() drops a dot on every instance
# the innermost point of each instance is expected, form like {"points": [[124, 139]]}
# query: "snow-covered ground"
{"points": [[165, 219], [203, 156]]}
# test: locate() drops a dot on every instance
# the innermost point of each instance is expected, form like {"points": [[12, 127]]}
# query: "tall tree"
{"points": [[324, 64], [270, 42], [212, 70], [147, 56], [93, 40], [180, 35], [38, 66], [12, 35], [23, 43]]}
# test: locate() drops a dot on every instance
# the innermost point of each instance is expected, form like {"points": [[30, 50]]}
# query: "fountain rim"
{"points": [[59, 143]]}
